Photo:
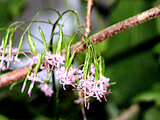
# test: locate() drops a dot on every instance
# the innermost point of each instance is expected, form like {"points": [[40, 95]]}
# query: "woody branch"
{"points": [[21, 73]]}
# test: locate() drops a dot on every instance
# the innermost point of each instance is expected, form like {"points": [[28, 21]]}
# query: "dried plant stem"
{"points": [[88, 17], [130, 113], [98, 37]]}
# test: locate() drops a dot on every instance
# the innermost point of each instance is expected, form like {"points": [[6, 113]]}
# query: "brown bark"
{"points": [[13, 76]]}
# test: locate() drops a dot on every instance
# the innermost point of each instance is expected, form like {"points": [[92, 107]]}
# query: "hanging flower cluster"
{"points": [[87, 79], [89, 87], [50, 63]]}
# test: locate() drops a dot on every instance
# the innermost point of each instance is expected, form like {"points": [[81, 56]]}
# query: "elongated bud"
{"points": [[31, 43], [87, 62], [20, 45], [60, 40], [5, 40], [101, 66], [43, 37], [10, 43], [30, 89], [25, 81], [68, 59], [39, 63]]}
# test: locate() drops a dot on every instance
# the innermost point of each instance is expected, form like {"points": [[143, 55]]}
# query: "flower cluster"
{"points": [[50, 63], [46, 88], [88, 87], [91, 88], [6, 60], [87, 80]]}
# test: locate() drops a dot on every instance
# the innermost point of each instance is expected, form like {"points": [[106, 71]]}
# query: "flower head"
{"points": [[66, 78], [46, 88], [6, 59], [54, 59]]}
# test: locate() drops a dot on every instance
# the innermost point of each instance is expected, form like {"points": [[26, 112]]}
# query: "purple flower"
{"points": [[92, 69], [80, 100], [66, 78], [34, 79], [101, 88], [46, 88], [6, 58], [54, 60], [34, 59], [90, 87]]}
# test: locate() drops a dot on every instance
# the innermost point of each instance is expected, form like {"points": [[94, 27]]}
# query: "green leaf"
{"points": [[31, 43], [87, 63], [68, 59], [2, 117], [149, 96], [152, 95], [60, 40], [20, 45], [152, 114], [11, 42], [43, 37], [39, 63], [5, 40], [102, 66], [97, 75]]}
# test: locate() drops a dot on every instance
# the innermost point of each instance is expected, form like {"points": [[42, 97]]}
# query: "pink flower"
{"points": [[46, 88], [34, 59], [66, 78], [34, 79], [101, 88], [80, 100], [54, 60], [6, 58], [92, 69], [90, 87]]}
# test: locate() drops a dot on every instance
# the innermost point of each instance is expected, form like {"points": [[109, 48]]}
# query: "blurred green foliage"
{"points": [[152, 114], [152, 95], [9, 10], [131, 65]]}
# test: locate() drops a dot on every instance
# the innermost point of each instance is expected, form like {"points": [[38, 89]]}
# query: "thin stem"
{"points": [[88, 17], [88, 20]]}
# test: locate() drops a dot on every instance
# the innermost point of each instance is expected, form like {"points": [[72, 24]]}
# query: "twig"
{"points": [[88, 17], [13, 76], [98, 37], [130, 113], [119, 27]]}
